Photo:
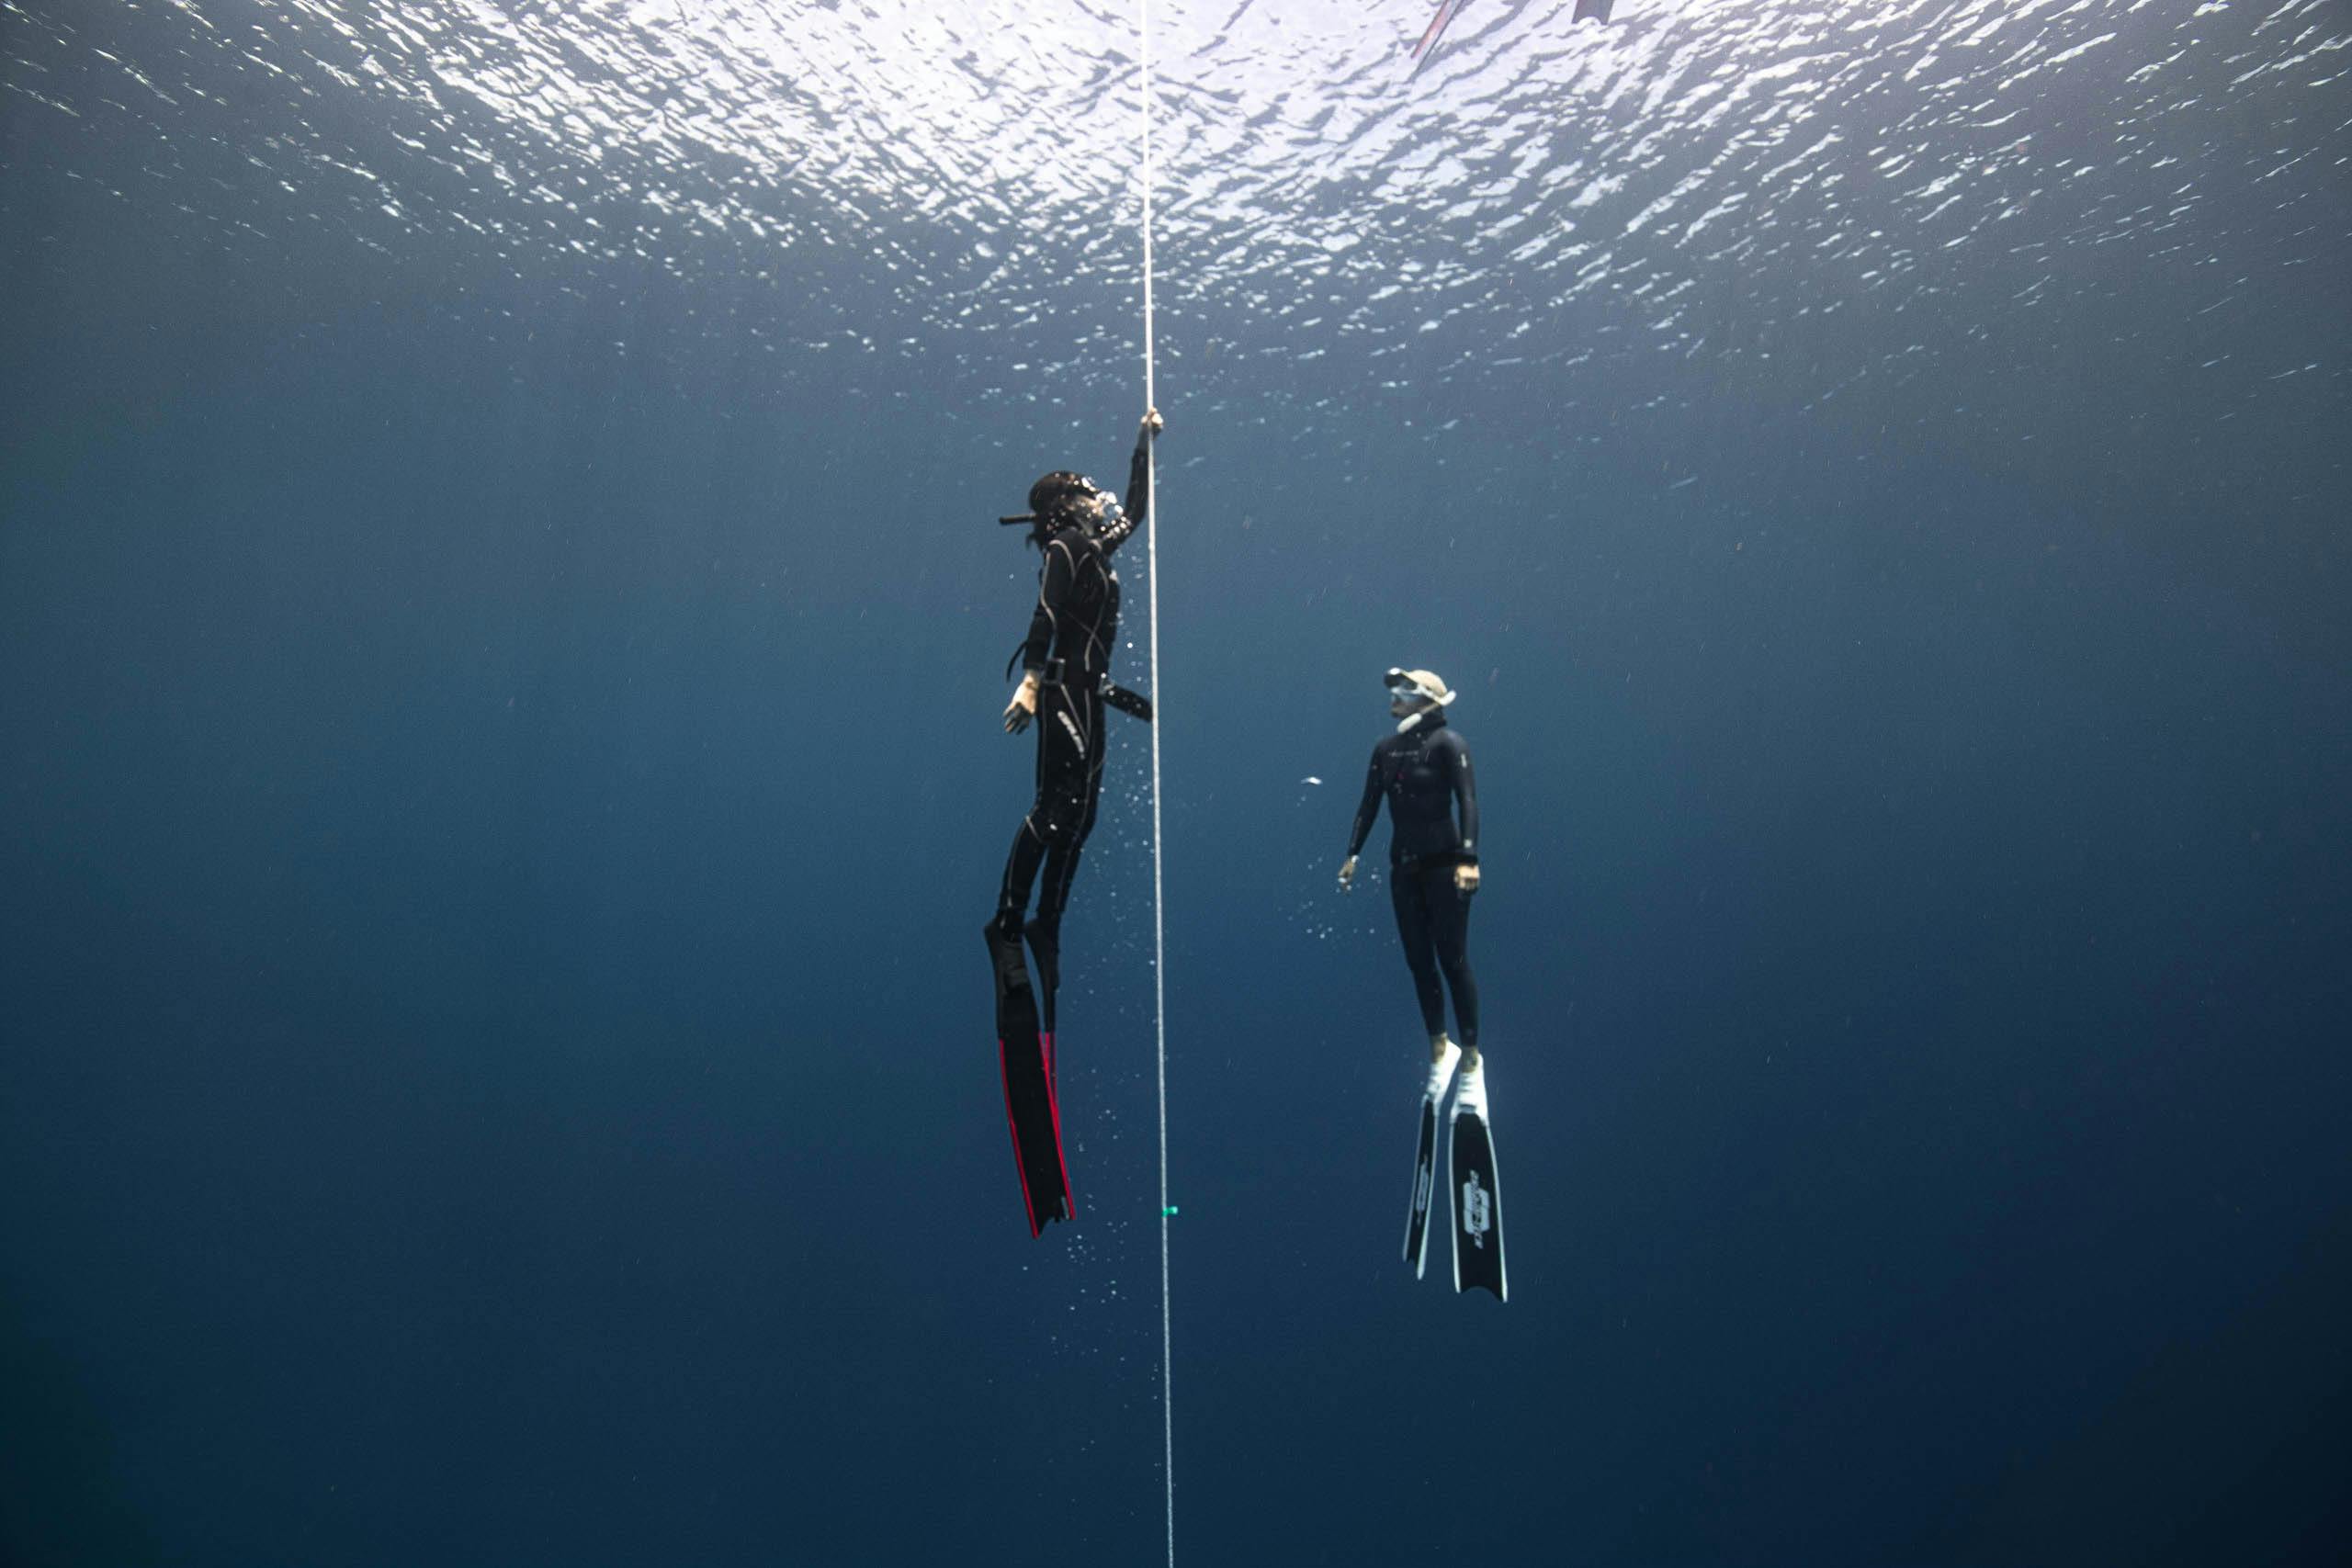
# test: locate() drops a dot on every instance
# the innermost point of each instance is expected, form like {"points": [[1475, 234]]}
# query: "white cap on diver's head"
{"points": [[1422, 683]]}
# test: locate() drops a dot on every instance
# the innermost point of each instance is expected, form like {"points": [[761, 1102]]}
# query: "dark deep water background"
{"points": [[501, 775]]}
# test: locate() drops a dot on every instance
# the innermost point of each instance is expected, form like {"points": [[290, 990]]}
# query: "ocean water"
{"points": [[502, 630]]}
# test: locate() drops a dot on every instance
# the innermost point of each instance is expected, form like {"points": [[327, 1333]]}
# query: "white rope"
{"points": [[1159, 716]]}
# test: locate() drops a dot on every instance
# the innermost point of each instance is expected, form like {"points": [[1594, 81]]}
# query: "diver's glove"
{"points": [[1024, 705], [1347, 875], [1152, 424]]}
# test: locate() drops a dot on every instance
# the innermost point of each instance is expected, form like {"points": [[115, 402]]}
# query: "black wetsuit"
{"points": [[1071, 634], [1422, 773]]}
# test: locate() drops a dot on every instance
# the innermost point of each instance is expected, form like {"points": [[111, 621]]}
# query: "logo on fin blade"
{"points": [[1478, 1211]]}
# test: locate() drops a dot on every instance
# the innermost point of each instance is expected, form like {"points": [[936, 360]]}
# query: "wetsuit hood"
{"points": [[1053, 502], [1424, 683]]}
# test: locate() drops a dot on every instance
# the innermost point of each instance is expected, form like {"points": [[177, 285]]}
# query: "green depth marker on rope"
{"points": [[1168, 1213]]}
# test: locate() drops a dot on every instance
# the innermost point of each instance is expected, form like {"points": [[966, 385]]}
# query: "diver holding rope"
{"points": [[1065, 687]]}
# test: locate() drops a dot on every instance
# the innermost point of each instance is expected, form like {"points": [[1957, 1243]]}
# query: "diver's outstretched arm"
{"points": [[1136, 507]]}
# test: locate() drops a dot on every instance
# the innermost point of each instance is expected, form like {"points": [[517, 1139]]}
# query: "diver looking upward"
{"points": [[1422, 771], [1065, 685], [1066, 664]]}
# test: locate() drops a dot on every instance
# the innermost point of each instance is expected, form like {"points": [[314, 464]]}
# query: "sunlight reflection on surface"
{"points": [[1763, 161]]}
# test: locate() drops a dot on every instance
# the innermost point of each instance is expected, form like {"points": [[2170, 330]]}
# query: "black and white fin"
{"points": [[1416, 1219], [1417, 1222], [1477, 1200]]}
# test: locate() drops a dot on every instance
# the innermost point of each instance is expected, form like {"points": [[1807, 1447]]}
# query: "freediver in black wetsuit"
{"points": [[1423, 771], [1066, 661]]}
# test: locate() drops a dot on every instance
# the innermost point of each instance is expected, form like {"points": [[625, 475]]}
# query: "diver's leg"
{"points": [[1015, 1009], [1073, 782], [1047, 826], [1077, 769], [1046, 927], [1450, 931], [1021, 864], [1421, 952]]}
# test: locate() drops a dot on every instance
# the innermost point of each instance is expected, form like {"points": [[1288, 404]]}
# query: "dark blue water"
{"points": [[501, 628]]}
